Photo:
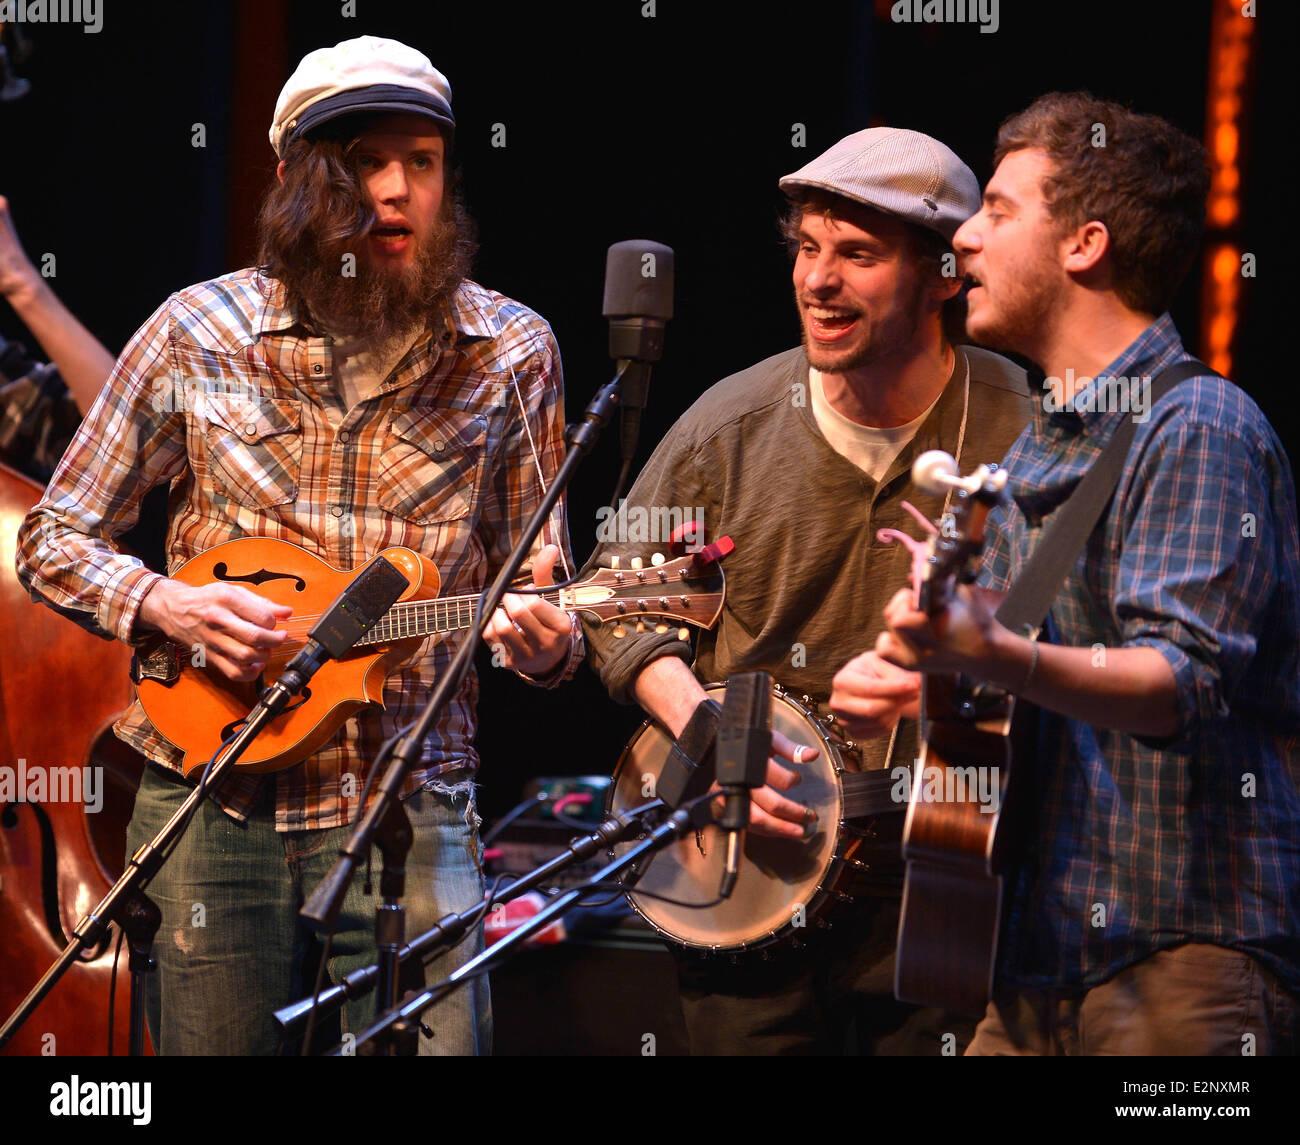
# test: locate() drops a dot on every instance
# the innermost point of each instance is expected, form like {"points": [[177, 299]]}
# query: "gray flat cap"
{"points": [[897, 171]]}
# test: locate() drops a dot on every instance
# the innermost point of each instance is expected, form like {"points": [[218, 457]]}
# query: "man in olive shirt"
{"points": [[801, 459]]}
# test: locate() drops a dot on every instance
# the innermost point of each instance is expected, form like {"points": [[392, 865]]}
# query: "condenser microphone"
{"points": [[638, 303], [744, 744], [370, 594]]}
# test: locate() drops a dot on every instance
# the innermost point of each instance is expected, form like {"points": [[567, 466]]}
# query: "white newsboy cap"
{"points": [[897, 171], [365, 74]]}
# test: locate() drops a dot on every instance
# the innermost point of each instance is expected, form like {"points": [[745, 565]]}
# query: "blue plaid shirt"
{"points": [[1142, 845]]}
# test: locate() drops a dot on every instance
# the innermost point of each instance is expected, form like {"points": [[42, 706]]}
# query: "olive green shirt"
{"points": [[808, 581]]}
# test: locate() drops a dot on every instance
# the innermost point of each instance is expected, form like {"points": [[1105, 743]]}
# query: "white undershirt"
{"points": [[360, 370], [871, 449]]}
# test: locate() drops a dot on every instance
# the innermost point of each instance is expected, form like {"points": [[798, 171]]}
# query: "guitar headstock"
{"points": [[954, 549], [949, 553], [643, 597]]}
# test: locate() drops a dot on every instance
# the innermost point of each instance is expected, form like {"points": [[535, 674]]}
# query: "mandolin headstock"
{"points": [[644, 597]]}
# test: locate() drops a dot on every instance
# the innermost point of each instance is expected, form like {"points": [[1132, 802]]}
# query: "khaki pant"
{"points": [[1191, 1000]]}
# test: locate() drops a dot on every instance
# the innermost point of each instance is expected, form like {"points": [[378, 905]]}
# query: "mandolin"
{"points": [[195, 706]]}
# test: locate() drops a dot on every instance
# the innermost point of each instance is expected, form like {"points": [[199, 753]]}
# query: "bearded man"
{"points": [[355, 391]]}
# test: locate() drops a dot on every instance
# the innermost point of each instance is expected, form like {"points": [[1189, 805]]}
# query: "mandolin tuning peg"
{"points": [[661, 628], [619, 631], [640, 625], [657, 559], [683, 634], [637, 562], [613, 562]]}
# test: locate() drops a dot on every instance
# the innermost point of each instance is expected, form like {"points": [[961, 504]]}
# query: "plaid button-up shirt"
{"points": [[1140, 846], [228, 396]]}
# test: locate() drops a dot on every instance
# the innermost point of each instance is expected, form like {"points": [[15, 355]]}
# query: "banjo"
{"points": [[784, 885]]}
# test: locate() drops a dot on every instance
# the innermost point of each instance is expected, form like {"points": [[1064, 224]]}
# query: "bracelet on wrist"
{"points": [[1033, 667]]}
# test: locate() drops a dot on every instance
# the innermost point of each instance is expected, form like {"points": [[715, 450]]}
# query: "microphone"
{"points": [[744, 744], [638, 302], [370, 594]]}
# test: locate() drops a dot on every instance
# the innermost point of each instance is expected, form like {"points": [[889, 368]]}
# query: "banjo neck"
{"points": [[868, 793]]}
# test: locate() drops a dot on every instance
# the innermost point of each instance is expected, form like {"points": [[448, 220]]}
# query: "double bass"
{"points": [[60, 691]]}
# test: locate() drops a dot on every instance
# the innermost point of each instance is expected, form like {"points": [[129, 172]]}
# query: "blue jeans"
{"points": [[230, 949]]}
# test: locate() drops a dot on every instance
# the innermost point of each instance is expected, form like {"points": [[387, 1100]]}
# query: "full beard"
{"points": [[380, 304]]}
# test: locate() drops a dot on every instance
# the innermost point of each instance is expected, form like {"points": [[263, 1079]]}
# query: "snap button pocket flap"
{"points": [[431, 473], [252, 419], [254, 448]]}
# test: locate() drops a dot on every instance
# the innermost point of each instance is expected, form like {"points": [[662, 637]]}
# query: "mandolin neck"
{"points": [[411, 618]]}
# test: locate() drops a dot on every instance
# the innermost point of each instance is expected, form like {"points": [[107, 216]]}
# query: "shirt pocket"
{"points": [[255, 450], [429, 471]]}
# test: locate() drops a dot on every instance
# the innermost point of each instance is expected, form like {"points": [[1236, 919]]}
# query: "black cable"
{"points": [[510, 816]]}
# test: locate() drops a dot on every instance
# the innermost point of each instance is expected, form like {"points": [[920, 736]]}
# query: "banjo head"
{"points": [[779, 878]]}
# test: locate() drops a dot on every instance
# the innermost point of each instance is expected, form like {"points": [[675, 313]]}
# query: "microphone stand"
{"points": [[679, 824], [322, 908], [126, 903], [451, 928]]}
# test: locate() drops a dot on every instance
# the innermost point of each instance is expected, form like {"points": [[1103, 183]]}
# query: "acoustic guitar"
{"points": [[195, 706], [960, 832]]}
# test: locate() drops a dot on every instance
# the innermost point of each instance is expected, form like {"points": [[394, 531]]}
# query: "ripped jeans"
{"points": [[231, 949]]}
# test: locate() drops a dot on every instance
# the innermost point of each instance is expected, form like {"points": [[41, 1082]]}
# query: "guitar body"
{"points": [[194, 705], [962, 831], [962, 814]]}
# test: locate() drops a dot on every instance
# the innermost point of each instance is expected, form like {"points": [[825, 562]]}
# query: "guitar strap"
{"points": [[1026, 605]]}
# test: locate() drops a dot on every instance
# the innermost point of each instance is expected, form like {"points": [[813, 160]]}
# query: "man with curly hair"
{"points": [[1156, 909]]}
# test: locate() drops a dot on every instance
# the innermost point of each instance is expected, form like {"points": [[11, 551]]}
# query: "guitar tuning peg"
{"points": [[619, 631], [637, 562], [657, 559], [640, 626], [613, 562], [683, 634], [661, 628]]}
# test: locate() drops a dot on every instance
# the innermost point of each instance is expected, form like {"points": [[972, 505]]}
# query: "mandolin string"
{"points": [[300, 624]]}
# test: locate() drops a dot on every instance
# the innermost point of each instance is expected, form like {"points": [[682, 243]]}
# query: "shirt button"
{"points": [[439, 445], [250, 429], [343, 435], [337, 510], [317, 368]]}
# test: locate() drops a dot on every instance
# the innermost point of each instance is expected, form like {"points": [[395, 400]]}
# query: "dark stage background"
{"points": [[618, 125]]}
